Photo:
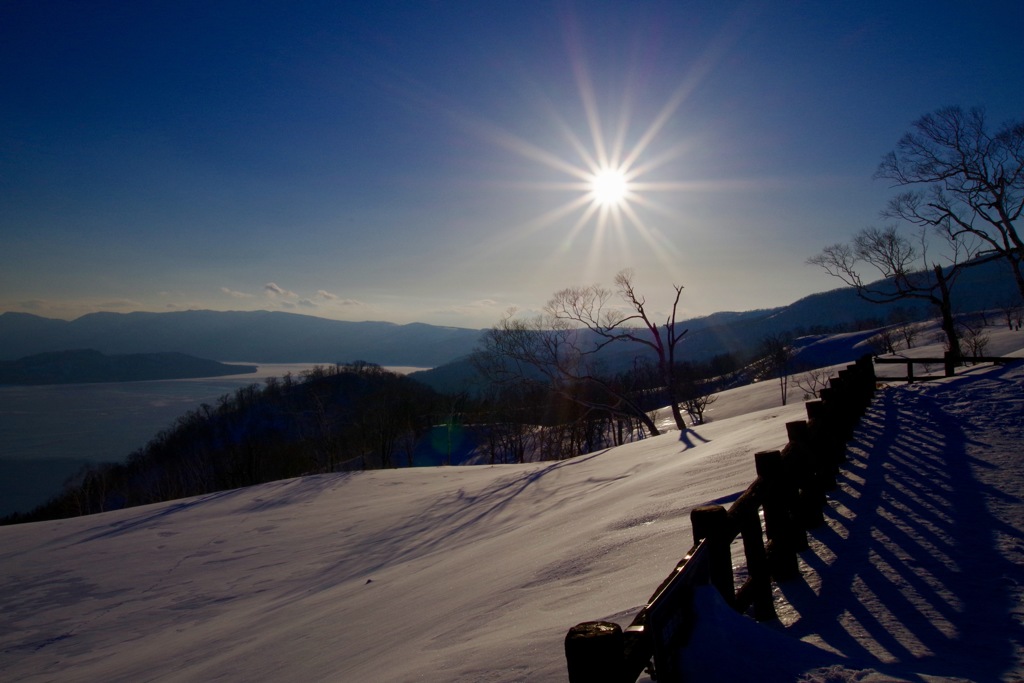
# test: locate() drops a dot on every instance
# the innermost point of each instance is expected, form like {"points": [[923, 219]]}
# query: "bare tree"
{"points": [[589, 307], [1011, 311], [904, 325], [884, 341], [970, 181], [812, 382], [905, 270], [975, 337], [777, 355], [909, 332], [697, 404], [549, 352]]}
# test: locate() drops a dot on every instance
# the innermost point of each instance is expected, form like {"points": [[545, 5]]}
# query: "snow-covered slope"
{"points": [[476, 573]]}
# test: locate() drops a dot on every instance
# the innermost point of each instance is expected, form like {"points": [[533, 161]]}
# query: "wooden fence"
{"points": [[789, 488], [948, 362]]}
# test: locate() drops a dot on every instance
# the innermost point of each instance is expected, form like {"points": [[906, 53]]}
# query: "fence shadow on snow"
{"points": [[902, 609], [949, 605]]}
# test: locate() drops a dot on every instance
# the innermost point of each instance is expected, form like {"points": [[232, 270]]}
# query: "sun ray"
{"points": [[584, 84], [653, 206], [621, 132], [526, 149], [614, 163], [589, 162], [663, 158], [581, 223], [551, 217]]}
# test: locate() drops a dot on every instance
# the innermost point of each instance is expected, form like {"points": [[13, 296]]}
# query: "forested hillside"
{"points": [[356, 417], [348, 417]]}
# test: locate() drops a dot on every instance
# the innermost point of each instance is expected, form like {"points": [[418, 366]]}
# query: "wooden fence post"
{"points": [[826, 449], [594, 652], [866, 368], [845, 403], [811, 497], [949, 362], [831, 396], [757, 565], [840, 403], [777, 519], [712, 522]]}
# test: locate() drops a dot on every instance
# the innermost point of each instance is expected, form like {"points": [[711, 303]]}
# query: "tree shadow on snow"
{"points": [[276, 494], [454, 519], [914, 568], [686, 438]]}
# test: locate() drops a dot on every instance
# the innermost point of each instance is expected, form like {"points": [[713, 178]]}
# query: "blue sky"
{"points": [[426, 161]]}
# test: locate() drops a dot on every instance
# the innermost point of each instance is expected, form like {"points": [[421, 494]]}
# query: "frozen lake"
{"points": [[47, 433]]}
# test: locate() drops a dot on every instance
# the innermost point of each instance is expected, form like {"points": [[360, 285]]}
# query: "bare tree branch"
{"points": [[588, 307], [904, 269], [970, 181], [549, 352]]}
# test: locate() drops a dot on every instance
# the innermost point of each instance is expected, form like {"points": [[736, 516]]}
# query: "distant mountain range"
{"points": [[248, 336], [278, 337], [87, 365]]}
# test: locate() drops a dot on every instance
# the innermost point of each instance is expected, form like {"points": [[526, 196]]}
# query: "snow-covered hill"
{"points": [[476, 573]]}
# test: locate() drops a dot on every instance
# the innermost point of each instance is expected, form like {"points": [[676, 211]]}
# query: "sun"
{"points": [[609, 168], [609, 187]]}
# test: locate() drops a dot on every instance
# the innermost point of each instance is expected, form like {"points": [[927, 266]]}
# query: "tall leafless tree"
{"points": [[967, 180], [1011, 311], [884, 341], [812, 382], [590, 308], [697, 404], [777, 354], [550, 352], [905, 270]]}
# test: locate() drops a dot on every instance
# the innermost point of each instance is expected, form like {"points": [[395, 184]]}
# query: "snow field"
{"points": [[476, 573]]}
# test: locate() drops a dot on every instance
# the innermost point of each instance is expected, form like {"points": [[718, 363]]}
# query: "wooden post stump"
{"points": [[823, 446], [757, 565], [778, 521], [811, 498], [866, 367], [712, 522], [949, 363], [594, 652]]}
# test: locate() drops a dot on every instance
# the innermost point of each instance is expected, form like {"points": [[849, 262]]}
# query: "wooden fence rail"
{"points": [[948, 362], [789, 489]]}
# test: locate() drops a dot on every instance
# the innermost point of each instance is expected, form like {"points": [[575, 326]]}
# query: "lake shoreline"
{"points": [[49, 432]]}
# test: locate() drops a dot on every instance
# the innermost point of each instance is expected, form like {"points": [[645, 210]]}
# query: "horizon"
{"points": [[443, 164], [962, 294], [314, 315]]}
